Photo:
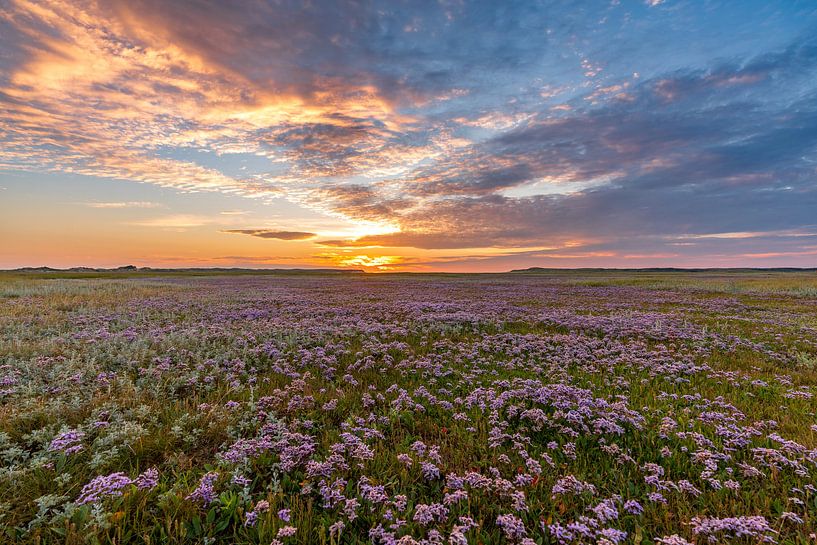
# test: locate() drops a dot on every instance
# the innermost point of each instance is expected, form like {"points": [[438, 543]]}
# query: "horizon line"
{"points": [[44, 269]]}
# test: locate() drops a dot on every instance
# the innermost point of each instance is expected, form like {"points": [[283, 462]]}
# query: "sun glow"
{"points": [[359, 229], [379, 262]]}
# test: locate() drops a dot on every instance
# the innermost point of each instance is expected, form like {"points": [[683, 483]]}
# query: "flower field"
{"points": [[404, 409]]}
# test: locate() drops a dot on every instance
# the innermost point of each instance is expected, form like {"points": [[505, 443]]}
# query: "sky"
{"points": [[445, 135]]}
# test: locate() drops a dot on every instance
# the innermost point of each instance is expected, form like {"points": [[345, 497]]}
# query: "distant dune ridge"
{"points": [[133, 268], [671, 269]]}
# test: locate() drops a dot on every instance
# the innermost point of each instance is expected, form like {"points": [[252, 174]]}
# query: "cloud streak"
{"points": [[122, 204], [280, 235]]}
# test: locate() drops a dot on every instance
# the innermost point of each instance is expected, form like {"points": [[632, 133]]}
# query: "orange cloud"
{"points": [[101, 87], [267, 233]]}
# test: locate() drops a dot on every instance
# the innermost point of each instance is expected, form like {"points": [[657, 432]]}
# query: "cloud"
{"points": [[266, 233], [104, 89], [99, 90], [234, 212], [123, 204], [444, 126], [177, 221], [692, 166]]}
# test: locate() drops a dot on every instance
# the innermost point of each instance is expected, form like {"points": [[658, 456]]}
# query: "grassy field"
{"points": [[558, 407]]}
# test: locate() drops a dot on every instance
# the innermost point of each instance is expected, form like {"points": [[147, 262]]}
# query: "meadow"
{"points": [[549, 408]]}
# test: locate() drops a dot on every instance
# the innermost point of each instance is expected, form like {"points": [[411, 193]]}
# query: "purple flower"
{"points": [[205, 492], [400, 502], [252, 516], [426, 514], [67, 442], [240, 480], [455, 497], [606, 511], [791, 517], [572, 485], [148, 479], [103, 486], [656, 497], [612, 535], [430, 471], [350, 508], [336, 528], [404, 459], [733, 527], [512, 526], [674, 539], [251, 519], [633, 507]]}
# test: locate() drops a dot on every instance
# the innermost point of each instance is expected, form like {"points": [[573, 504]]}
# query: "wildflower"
{"points": [[430, 471], [633, 507], [240, 480], [733, 527], [400, 502], [148, 479], [512, 526], [350, 508], [103, 486], [689, 488], [674, 539], [533, 466], [426, 514], [419, 448], [457, 537], [252, 516], [791, 517], [404, 459], [572, 485], [455, 497], [657, 497], [373, 493], [612, 535], [606, 511], [518, 500], [67, 442], [336, 528], [204, 492]]}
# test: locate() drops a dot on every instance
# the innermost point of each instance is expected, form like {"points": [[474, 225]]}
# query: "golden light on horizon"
{"points": [[366, 261]]}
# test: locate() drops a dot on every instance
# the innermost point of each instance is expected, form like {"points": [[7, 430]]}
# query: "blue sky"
{"points": [[409, 135]]}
